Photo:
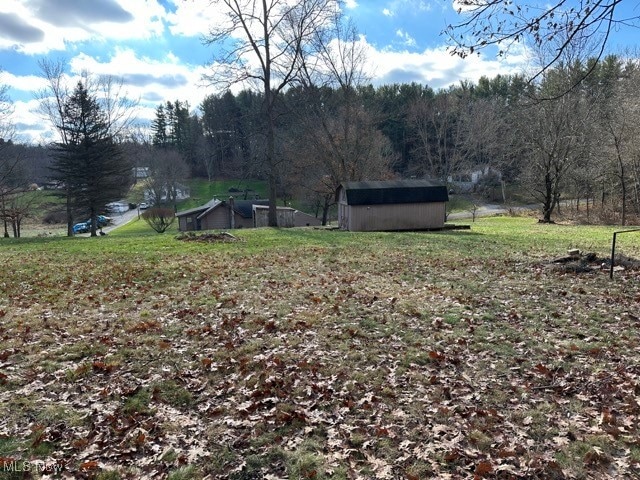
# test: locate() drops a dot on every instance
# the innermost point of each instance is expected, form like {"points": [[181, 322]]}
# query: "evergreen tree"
{"points": [[89, 162], [159, 128]]}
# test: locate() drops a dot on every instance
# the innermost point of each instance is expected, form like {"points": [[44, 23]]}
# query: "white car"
{"points": [[143, 206]]}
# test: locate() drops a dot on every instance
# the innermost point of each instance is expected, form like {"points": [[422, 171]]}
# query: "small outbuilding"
{"points": [[219, 215], [229, 214], [285, 215], [391, 205]]}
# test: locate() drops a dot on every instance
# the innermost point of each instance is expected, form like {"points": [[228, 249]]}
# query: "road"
{"points": [[119, 219], [491, 209]]}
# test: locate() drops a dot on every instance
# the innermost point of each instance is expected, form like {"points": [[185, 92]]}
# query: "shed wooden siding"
{"points": [[391, 205], [400, 216], [187, 223], [242, 222], [216, 219], [284, 216]]}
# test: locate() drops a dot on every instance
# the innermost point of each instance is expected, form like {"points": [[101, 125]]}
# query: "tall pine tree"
{"points": [[89, 162]]}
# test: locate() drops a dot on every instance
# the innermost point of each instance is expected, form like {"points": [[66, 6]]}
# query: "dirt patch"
{"points": [[590, 262], [208, 237]]}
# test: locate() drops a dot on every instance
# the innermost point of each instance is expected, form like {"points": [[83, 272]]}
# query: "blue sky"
{"points": [[155, 47]]}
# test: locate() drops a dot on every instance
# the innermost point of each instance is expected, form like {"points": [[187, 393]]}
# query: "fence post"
{"points": [[613, 248], [613, 254]]}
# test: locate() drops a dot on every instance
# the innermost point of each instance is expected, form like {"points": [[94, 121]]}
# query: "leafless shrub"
{"points": [[159, 218]]}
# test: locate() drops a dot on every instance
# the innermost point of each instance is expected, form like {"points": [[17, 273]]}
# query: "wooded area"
{"points": [[580, 145]]}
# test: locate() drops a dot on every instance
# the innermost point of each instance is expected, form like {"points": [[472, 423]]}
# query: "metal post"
{"points": [[613, 247], [613, 254]]}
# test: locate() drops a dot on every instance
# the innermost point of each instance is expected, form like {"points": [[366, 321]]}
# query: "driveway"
{"points": [[490, 210], [119, 219]]}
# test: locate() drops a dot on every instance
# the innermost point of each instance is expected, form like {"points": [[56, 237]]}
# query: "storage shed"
{"points": [[285, 215], [219, 215], [225, 214], [391, 205]]}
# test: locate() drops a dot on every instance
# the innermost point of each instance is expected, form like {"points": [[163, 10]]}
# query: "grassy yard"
{"points": [[202, 191], [311, 354]]}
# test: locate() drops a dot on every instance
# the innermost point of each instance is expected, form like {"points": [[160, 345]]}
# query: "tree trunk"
{"points": [[69, 215], [623, 185], [93, 221], [271, 164], [588, 209], [325, 211], [548, 202], [4, 219]]}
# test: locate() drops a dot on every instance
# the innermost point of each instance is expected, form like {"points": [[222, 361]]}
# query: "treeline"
{"points": [[574, 134], [562, 137]]}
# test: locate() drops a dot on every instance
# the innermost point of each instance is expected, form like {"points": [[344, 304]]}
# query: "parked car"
{"points": [[117, 207], [82, 227], [101, 221], [143, 206]]}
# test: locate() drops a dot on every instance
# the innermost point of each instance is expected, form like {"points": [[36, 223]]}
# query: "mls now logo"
{"points": [[11, 465]]}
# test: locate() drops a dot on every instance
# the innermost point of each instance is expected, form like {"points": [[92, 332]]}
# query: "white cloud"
{"points": [[191, 19], [387, 13], [436, 67], [462, 7], [407, 39], [149, 81], [22, 83], [168, 78], [144, 21], [32, 127]]}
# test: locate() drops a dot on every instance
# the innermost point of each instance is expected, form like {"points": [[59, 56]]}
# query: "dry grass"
{"points": [[311, 354]]}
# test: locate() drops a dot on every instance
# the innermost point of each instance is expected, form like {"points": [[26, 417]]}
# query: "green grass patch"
{"points": [[302, 353], [202, 191]]}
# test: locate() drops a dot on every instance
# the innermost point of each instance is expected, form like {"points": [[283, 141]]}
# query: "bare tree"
{"points": [[335, 139], [6, 110], [440, 132], [11, 178], [11, 184], [266, 41], [167, 172], [345, 146], [556, 139], [503, 23], [620, 130], [159, 218]]}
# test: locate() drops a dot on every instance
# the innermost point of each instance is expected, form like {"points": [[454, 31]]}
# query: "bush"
{"points": [[55, 216], [159, 218]]}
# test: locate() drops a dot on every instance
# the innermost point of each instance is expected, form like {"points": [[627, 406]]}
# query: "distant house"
{"points": [[467, 181], [391, 205], [228, 214], [140, 173]]}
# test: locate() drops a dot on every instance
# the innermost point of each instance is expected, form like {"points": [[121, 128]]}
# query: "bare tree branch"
{"points": [[562, 24]]}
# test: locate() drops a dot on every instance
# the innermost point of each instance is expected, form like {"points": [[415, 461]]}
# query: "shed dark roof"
{"points": [[245, 207], [200, 209], [393, 192]]}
